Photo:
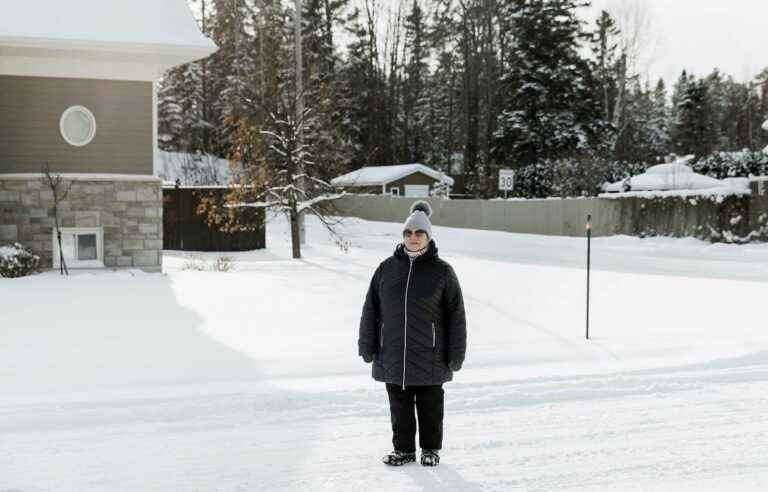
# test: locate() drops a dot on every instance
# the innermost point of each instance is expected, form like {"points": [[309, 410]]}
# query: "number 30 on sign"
{"points": [[506, 179]]}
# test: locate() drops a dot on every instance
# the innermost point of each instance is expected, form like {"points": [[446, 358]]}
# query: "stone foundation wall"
{"points": [[129, 213]]}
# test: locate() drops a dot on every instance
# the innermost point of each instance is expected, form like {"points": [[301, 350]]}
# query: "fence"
{"points": [[713, 217], [184, 229]]}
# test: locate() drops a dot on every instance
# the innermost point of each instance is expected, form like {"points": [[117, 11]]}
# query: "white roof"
{"points": [[160, 33], [164, 22], [200, 170], [380, 175]]}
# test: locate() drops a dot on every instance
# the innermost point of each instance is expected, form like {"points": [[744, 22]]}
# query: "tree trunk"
{"points": [[295, 237]]}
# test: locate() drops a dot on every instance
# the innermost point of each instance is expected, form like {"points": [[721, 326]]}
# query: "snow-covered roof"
{"points": [[159, 33], [165, 23], [193, 169], [380, 175]]}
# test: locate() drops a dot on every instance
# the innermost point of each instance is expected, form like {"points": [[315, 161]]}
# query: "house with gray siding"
{"points": [[409, 180], [78, 93]]}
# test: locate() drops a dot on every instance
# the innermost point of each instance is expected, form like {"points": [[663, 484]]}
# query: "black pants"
{"points": [[428, 402]]}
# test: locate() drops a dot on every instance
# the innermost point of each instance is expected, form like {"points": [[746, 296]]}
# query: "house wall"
{"points": [[129, 213], [31, 108], [411, 179]]}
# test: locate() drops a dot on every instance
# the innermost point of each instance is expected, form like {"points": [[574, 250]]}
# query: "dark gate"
{"points": [[186, 230]]}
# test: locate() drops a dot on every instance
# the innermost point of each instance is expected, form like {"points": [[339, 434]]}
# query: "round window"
{"points": [[78, 126]]}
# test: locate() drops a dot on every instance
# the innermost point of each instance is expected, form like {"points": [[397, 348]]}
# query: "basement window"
{"points": [[82, 247]]}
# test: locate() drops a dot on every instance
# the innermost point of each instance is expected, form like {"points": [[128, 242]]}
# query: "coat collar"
{"points": [[430, 253]]}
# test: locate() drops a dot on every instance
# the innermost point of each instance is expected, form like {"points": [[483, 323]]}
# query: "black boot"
{"points": [[398, 458], [430, 457]]}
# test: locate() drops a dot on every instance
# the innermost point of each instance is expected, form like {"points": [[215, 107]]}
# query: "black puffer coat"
{"points": [[413, 320]]}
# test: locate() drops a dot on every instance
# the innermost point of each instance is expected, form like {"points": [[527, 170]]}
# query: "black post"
{"points": [[589, 241], [179, 235]]}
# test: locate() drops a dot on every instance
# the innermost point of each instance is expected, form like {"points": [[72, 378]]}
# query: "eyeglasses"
{"points": [[409, 233]]}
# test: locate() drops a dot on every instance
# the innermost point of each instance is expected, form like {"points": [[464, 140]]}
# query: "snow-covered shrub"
{"points": [[17, 261], [198, 264], [721, 165], [571, 177], [534, 181], [441, 190], [223, 264], [194, 263]]}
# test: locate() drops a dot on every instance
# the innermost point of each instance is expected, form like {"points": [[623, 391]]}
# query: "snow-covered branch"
{"points": [[310, 204]]}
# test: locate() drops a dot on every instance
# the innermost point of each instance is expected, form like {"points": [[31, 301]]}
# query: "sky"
{"points": [[700, 35]]}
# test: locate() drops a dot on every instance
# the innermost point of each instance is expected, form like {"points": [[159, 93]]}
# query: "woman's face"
{"points": [[415, 240]]}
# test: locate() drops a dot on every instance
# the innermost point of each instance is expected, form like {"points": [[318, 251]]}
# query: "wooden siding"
{"points": [[416, 178], [31, 108]]}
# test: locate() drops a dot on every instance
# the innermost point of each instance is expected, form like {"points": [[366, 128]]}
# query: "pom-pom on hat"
{"points": [[419, 218]]}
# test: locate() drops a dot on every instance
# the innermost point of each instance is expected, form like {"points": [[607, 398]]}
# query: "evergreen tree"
{"points": [[694, 130], [605, 51], [659, 137], [415, 107], [231, 69], [323, 87], [365, 89], [550, 110], [181, 124]]}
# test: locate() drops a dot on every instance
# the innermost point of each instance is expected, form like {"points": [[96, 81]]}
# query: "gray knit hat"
{"points": [[419, 218]]}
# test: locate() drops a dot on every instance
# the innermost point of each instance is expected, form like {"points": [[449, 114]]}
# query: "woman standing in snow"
{"points": [[414, 331]]}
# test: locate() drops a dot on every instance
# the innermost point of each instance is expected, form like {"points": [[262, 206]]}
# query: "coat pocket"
{"points": [[381, 336]]}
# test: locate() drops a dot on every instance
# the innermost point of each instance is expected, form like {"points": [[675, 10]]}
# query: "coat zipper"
{"points": [[433, 334], [405, 326]]}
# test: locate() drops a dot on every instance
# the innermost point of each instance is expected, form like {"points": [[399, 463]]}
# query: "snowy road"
{"points": [[249, 380], [694, 428]]}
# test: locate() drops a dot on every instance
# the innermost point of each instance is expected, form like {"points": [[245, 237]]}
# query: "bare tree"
{"points": [[281, 175], [60, 192], [636, 42], [639, 39]]}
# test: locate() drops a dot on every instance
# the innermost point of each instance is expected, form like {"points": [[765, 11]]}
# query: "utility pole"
{"points": [[589, 257], [299, 111]]}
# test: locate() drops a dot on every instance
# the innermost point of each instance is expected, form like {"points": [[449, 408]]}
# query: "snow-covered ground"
{"points": [[249, 380]]}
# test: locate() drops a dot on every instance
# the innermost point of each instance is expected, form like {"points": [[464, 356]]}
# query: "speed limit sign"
{"points": [[506, 179]]}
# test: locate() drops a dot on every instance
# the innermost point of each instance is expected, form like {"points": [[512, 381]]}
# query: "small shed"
{"points": [[411, 180], [185, 229], [188, 179]]}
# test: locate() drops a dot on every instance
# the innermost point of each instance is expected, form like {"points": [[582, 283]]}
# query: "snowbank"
{"points": [[674, 179]]}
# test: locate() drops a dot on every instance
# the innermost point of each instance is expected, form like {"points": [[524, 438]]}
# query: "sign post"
{"points": [[506, 180]]}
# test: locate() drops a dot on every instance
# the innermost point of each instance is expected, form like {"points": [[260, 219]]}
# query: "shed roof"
{"points": [[380, 175], [198, 170]]}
